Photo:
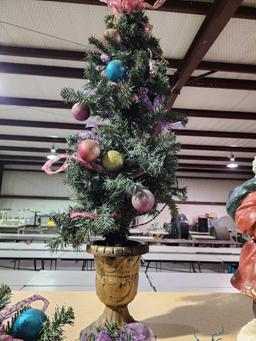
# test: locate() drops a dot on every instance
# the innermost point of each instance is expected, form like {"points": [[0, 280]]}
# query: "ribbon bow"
{"points": [[151, 107], [128, 6], [47, 167]]}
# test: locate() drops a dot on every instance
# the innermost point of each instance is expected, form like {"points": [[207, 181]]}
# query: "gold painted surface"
{"points": [[117, 279], [117, 274], [137, 248]]}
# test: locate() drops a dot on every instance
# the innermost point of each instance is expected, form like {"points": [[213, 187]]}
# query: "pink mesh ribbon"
{"points": [[85, 214], [128, 6], [47, 167], [89, 215], [9, 312]]}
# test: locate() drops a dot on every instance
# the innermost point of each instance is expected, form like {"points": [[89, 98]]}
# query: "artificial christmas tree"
{"points": [[126, 165]]}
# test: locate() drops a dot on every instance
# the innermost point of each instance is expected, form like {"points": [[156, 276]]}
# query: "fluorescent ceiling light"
{"points": [[52, 154], [232, 162]]}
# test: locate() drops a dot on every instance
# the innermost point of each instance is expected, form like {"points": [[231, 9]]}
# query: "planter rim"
{"points": [[135, 248]]}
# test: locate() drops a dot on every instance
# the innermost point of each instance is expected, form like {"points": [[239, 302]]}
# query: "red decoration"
{"points": [[143, 201], [80, 112], [88, 150]]}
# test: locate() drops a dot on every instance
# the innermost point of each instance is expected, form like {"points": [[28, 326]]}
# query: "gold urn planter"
{"points": [[117, 274]]}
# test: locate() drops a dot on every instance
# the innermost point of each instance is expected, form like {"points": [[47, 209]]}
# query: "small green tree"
{"points": [[129, 99]]}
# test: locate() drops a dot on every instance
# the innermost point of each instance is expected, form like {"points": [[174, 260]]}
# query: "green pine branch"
{"points": [[53, 328], [5, 296]]}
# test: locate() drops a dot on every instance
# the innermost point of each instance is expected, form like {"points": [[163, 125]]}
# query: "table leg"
{"points": [[83, 265], [193, 267], [146, 270]]}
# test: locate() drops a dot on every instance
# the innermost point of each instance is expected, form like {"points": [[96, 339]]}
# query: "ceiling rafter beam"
{"points": [[218, 148], [41, 124], [32, 52], [233, 115], [179, 6], [215, 21], [217, 171], [77, 73], [29, 149], [181, 168], [217, 134], [217, 66], [34, 102], [45, 103], [47, 139], [183, 147], [41, 70], [180, 157], [35, 52], [74, 126], [212, 158], [179, 132], [212, 166], [221, 83], [22, 157]]}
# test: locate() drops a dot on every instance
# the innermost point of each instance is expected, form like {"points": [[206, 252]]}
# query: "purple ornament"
{"points": [[80, 112], [105, 58]]}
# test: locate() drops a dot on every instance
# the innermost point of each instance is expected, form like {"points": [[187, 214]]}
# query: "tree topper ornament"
{"points": [[129, 6]]}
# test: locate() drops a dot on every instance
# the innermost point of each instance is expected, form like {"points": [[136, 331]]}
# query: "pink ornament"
{"points": [[88, 150], [80, 112], [143, 201]]}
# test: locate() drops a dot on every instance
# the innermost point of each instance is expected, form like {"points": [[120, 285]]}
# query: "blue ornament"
{"points": [[28, 324], [115, 71]]}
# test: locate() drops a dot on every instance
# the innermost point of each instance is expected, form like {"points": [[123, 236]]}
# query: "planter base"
{"points": [[117, 274]]}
